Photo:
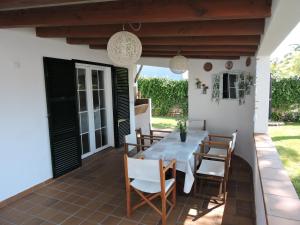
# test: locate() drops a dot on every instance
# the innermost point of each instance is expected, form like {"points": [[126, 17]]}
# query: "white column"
{"points": [[262, 90]]}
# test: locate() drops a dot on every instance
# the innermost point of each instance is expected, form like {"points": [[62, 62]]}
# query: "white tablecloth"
{"points": [[171, 148]]}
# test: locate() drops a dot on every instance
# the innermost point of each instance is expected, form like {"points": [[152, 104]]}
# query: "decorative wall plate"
{"points": [[229, 65], [248, 61], [207, 66]]}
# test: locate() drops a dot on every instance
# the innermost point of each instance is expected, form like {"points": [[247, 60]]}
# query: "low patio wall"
{"points": [[276, 200]]}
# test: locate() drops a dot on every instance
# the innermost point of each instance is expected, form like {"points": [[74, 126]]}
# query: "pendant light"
{"points": [[178, 64], [124, 48]]}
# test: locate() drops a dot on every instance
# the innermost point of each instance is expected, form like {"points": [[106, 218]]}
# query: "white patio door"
{"points": [[94, 102]]}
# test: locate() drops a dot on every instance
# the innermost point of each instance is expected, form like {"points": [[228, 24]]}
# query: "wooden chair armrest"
{"points": [[218, 144], [212, 156], [219, 136], [161, 131], [144, 136], [172, 165]]}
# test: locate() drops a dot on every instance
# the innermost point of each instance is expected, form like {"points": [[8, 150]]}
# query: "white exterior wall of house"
{"points": [[24, 140], [228, 115]]}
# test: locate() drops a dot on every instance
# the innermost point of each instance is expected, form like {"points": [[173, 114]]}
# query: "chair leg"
{"points": [[128, 200], [221, 188], [164, 211], [174, 195]]}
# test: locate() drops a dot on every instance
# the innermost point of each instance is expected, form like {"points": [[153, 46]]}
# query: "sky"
{"points": [[285, 47]]}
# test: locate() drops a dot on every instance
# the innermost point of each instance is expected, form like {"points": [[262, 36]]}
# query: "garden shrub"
{"points": [[286, 99], [165, 94]]}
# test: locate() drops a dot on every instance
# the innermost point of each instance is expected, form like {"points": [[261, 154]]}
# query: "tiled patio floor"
{"points": [[95, 194]]}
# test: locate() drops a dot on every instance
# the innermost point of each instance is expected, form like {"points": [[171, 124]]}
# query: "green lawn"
{"points": [[287, 141], [164, 122]]}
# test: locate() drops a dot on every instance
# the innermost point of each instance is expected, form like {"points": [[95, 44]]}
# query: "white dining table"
{"points": [[171, 147]]}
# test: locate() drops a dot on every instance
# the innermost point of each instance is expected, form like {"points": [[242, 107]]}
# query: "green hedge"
{"points": [[165, 94], [286, 99]]}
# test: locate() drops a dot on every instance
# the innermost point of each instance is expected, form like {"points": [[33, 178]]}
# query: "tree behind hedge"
{"points": [[165, 94]]}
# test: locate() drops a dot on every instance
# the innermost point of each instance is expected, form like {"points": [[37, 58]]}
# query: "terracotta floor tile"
{"points": [[128, 222], [89, 196], [59, 217], [106, 208], [97, 216], [111, 220], [72, 221], [34, 221]]}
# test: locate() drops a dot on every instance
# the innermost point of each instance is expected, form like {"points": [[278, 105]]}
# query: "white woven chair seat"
{"points": [[149, 186], [218, 151], [211, 167]]}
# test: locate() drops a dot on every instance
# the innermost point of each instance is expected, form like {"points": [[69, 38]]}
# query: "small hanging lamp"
{"points": [[124, 48], [178, 64]]}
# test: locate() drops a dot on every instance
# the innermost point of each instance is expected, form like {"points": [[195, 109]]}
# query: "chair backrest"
{"points": [[197, 124], [130, 139], [233, 140], [143, 169], [138, 134]]}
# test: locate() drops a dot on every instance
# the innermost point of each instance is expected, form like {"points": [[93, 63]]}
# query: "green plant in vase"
{"points": [[181, 125]]}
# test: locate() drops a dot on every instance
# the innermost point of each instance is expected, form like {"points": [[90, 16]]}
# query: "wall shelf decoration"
{"points": [[231, 85]]}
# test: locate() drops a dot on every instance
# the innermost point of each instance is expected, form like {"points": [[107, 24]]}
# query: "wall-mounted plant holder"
{"points": [[198, 83], [201, 85], [204, 89]]}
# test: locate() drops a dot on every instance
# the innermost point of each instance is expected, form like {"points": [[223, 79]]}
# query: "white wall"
{"points": [[24, 141], [262, 91], [226, 116]]}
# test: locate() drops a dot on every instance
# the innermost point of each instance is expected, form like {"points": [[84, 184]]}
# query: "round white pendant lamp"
{"points": [[179, 64], [124, 48]]}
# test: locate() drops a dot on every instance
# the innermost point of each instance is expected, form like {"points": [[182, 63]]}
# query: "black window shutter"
{"points": [[121, 104], [62, 115]]}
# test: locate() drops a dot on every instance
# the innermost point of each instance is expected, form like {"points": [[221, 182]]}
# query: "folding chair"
{"points": [[153, 131], [147, 179], [212, 168], [224, 139], [131, 144], [142, 138]]}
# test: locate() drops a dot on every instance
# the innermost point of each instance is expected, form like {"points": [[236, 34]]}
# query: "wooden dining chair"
{"points": [[131, 144], [143, 138], [212, 168], [147, 179], [153, 132], [222, 139]]}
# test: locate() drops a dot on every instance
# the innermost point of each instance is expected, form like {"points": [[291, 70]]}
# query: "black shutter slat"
{"points": [[121, 104], [62, 115]]}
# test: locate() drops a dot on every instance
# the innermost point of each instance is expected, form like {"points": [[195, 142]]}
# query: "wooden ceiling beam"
{"points": [[182, 29], [21, 4], [216, 48], [200, 53], [177, 41], [120, 12], [193, 56]]}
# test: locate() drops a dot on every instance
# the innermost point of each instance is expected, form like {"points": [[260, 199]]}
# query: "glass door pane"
{"points": [[99, 108], [83, 110]]}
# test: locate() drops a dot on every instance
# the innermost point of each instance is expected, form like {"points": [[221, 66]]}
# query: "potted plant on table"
{"points": [[181, 125]]}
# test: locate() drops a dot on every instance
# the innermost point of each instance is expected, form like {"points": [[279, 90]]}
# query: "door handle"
{"points": [[120, 121]]}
